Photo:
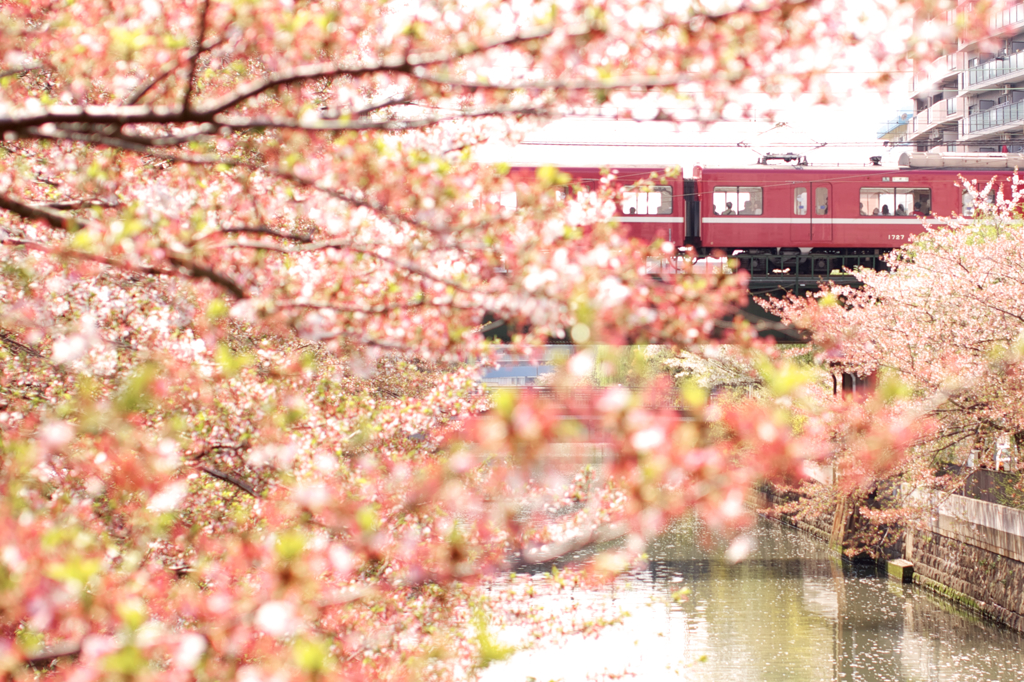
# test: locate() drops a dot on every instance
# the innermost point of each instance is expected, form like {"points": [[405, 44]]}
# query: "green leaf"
{"points": [[491, 650], [135, 394], [550, 176], [75, 570], [231, 364], [217, 309], [311, 655], [367, 519], [132, 612], [127, 661], [290, 545], [504, 402]]}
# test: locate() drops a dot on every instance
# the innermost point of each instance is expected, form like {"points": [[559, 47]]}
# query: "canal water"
{"points": [[791, 611]]}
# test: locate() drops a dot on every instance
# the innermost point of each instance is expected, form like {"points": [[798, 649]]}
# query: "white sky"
{"points": [[849, 131]]}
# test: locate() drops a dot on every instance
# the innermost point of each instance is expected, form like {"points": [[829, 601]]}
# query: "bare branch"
{"points": [[193, 61], [239, 483], [56, 219], [7, 339], [561, 85], [190, 269], [259, 229], [47, 656], [585, 538], [346, 245], [411, 64], [203, 272], [72, 204], [170, 68], [19, 70]]}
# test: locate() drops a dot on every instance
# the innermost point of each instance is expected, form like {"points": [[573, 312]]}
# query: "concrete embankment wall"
{"points": [[766, 498], [969, 551], [973, 553]]}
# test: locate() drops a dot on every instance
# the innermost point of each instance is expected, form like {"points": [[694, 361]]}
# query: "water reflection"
{"points": [[790, 612]]}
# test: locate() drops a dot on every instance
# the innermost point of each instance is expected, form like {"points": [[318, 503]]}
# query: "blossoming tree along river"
{"points": [[946, 323], [243, 242]]}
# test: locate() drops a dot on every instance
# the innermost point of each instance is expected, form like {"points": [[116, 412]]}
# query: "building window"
{"points": [[738, 201], [895, 201], [647, 200], [800, 201]]}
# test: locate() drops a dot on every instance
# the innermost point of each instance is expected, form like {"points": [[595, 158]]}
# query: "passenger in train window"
{"points": [[728, 209], [875, 212], [747, 209], [917, 209], [885, 210], [900, 210], [862, 211]]}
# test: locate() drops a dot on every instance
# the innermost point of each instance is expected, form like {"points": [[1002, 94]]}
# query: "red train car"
{"points": [[797, 208], [811, 209], [646, 210]]}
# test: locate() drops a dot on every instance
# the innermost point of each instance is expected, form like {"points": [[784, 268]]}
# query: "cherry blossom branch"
{"points": [[405, 64], [191, 269], [346, 245]]}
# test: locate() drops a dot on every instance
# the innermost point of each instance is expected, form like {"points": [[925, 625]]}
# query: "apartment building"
{"points": [[972, 99]]}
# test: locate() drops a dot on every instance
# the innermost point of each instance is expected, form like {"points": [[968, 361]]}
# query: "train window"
{"points": [[877, 201], [821, 201], [738, 200], [913, 202], [640, 200], [968, 202], [800, 201], [895, 201]]}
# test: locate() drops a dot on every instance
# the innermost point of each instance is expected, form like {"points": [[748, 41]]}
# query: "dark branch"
{"points": [[269, 231], [19, 70], [72, 204], [230, 478], [7, 339], [170, 68], [193, 61], [45, 657], [203, 272], [54, 218]]}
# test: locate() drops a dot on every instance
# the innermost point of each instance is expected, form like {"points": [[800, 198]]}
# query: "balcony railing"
{"points": [[996, 116], [1011, 15], [997, 68], [936, 113]]}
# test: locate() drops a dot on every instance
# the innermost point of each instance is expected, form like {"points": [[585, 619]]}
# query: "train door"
{"points": [[821, 212], [800, 223]]}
